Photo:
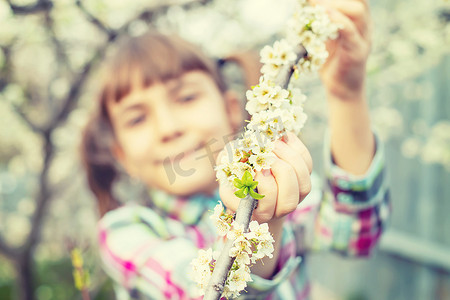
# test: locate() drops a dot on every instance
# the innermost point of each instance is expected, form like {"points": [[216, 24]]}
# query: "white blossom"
{"points": [[248, 140], [254, 106], [297, 97], [264, 248], [317, 55], [279, 97], [238, 169], [281, 53], [203, 259], [271, 70], [263, 91], [237, 155], [310, 23], [228, 293], [237, 280], [241, 250], [266, 146], [237, 231], [261, 160], [218, 211], [201, 269], [224, 174], [258, 231], [221, 225]]}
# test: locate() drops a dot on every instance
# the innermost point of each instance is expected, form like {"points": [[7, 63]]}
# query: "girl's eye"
{"points": [[187, 98], [135, 121]]}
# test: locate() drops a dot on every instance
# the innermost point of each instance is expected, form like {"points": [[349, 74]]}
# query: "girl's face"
{"points": [[169, 134]]}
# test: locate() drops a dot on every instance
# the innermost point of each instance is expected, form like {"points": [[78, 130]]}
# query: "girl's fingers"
{"points": [[302, 174], [284, 186], [349, 36], [356, 11], [229, 199], [294, 142], [288, 190], [267, 186]]}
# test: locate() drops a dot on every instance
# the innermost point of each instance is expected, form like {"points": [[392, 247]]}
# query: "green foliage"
{"points": [[56, 277], [6, 290], [54, 281], [246, 186], [357, 295]]}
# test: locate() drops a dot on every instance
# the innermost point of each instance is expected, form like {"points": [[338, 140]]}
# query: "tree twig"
{"points": [[58, 47], [6, 250], [26, 119], [286, 72], [39, 6], [224, 263], [5, 77], [244, 212], [76, 88], [44, 196], [94, 20]]}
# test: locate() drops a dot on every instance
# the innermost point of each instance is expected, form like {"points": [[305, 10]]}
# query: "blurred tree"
{"points": [[49, 66]]}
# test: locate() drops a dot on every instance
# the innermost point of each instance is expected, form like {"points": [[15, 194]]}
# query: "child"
{"points": [[164, 113]]}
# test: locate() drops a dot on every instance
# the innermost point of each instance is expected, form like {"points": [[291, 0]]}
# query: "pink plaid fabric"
{"points": [[147, 250]]}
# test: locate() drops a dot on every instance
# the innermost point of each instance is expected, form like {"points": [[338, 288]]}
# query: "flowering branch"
{"points": [[275, 108], [286, 72], [247, 204], [225, 261]]}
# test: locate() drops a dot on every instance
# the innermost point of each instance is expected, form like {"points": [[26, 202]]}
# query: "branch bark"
{"points": [[244, 212], [286, 72], [75, 89], [26, 119], [60, 52], [224, 263], [6, 250], [5, 70], [44, 195], [39, 6], [94, 20]]}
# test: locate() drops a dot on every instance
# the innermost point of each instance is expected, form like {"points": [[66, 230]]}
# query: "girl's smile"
{"points": [[181, 155]]}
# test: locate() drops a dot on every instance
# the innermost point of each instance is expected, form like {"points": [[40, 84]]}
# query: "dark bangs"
{"points": [[151, 58]]}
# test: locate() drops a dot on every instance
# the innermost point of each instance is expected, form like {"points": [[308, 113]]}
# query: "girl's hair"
{"points": [[148, 58]]}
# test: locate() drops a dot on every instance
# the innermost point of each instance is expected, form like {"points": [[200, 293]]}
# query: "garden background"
{"points": [[49, 57]]}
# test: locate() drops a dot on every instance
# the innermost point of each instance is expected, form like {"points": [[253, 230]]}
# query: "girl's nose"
{"points": [[168, 125]]}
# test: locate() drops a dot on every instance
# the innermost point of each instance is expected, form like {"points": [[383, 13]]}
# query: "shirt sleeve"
{"points": [[355, 209], [142, 257], [285, 274], [147, 262]]}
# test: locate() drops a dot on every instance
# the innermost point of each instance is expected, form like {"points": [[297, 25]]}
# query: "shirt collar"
{"points": [[187, 209]]}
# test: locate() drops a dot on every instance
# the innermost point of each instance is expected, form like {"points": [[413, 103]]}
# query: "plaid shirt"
{"points": [[147, 250]]}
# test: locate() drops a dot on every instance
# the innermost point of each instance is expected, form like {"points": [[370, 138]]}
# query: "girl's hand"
{"points": [[344, 72], [284, 186]]}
